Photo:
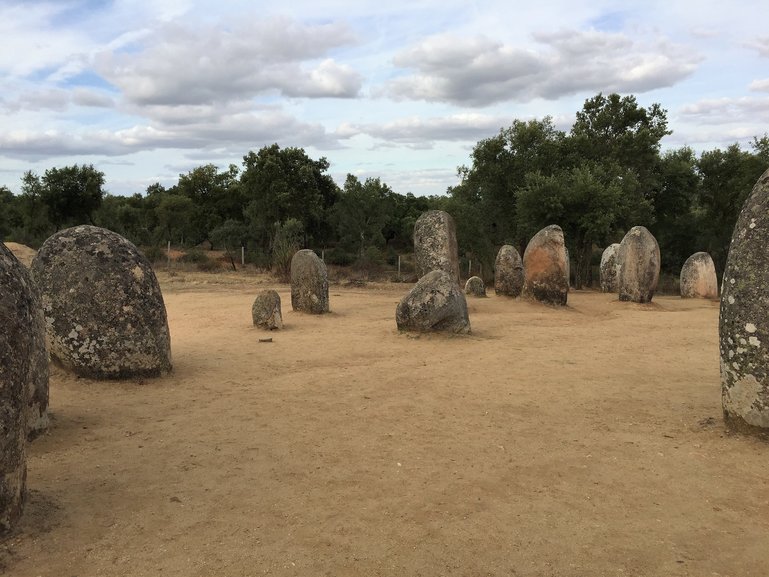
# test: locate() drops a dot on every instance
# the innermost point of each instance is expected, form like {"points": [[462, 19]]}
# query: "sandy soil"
{"points": [[550, 442]]}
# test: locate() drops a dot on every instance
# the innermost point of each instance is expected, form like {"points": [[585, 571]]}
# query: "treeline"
{"points": [[604, 176]]}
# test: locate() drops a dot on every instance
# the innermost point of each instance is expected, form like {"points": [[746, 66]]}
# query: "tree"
{"points": [[286, 240], [360, 214], [10, 216]]}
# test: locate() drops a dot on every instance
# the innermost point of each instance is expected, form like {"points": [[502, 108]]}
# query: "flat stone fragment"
{"points": [[435, 244], [609, 270], [104, 312], [508, 272], [475, 287], [744, 318], [265, 311], [546, 267], [18, 348], [698, 277], [309, 283], [639, 259], [434, 304]]}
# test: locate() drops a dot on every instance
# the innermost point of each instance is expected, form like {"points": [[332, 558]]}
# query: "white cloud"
{"points": [[729, 111], [477, 71], [760, 85], [761, 45]]}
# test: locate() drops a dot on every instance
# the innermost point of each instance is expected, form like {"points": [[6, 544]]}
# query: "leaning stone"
{"points": [[744, 318], [17, 353], [434, 304], [609, 271], [545, 267], [698, 277], [508, 272], [265, 311], [309, 283], [475, 287], [104, 312], [435, 244], [639, 259]]}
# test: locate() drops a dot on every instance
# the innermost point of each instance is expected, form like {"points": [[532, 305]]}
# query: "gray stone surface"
{"points": [[545, 267], [744, 318], [609, 270], [104, 312], [265, 311], [508, 272], [698, 277], [309, 283], [434, 304], [475, 287], [17, 350], [435, 244], [639, 260], [37, 408]]}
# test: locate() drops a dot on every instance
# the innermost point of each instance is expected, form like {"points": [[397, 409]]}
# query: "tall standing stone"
{"points": [[744, 318], [18, 349], [639, 259], [698, 277], [508, 272], [309, 283], [104, 312], [434, 304], [609, 271], [435, 244], [545, 267]]}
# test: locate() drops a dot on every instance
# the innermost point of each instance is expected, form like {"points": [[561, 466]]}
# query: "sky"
{"points": [[146, 90]]}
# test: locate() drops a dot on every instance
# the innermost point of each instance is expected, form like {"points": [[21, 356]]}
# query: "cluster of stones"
{"points": [[744, 318], [546, 267], [104, 312], [508, 272], [309, 283], [639, 260]]}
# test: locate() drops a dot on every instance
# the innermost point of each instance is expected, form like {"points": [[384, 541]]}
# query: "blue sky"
{"points": [[146, 90]]}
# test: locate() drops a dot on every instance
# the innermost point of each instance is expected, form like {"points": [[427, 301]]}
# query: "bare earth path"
{"points": [[583, 441]]}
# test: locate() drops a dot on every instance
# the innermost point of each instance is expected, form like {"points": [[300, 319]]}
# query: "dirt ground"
{"points": [[583, 441]]}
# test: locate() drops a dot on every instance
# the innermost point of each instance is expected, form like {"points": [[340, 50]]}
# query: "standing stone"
{"points": [[744, 318], [508, 272], [104, 312], [639, 259], [609, 271], [309, 283], [698, 277], [475, 287], [435, 244], [545, 267], [17, 352], [265, 311], [434, 304], [37, 407]]}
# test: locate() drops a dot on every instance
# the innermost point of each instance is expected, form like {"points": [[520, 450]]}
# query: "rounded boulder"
{"points": [[744, 318], [508, 272], [475, 287], [546, 267], [265, 311], [609, 269], [104, 312], [435, 244], [434, 304], [309, 283], [639, 260], [698, 277]]}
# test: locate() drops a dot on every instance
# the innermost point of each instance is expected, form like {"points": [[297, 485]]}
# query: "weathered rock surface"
{"points": [[698, 277], [639, 260], [37, 407], [265, 311], [104, 312], [744, 318], [545, 267], [609, 270], [475, 287], [434, 304], [435, 244], [508, 272], [309, 283], [17, 349]]}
